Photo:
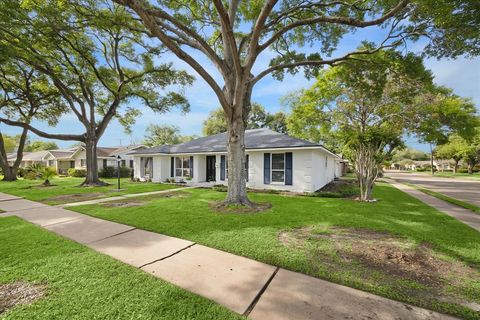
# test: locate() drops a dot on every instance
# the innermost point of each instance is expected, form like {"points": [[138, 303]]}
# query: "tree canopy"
{"points": [[40, 145], [158, 135], [258, 118], [97, 57]]}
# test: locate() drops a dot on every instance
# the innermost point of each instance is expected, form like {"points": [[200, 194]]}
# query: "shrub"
{"points": [[111, 172], [30, 175], [125, 172], [107, 172], [78, 173]]}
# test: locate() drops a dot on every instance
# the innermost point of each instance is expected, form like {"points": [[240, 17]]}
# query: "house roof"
{"points": [[125, 149], [33, 156], [62, 153], [254, 139]]}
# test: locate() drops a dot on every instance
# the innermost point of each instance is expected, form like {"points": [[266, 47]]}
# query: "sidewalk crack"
{"points": [[260, 293], [166, 257]]}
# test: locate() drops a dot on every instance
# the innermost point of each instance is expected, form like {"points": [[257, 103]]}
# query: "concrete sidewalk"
{"points": [[246, 286], [464, 215]]}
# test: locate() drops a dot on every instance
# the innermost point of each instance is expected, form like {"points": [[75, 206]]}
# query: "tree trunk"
{"points": [[431, 160], [10, 171], [237, 183], [92, 164], [455, 166], [366, 170], [470, 166]]}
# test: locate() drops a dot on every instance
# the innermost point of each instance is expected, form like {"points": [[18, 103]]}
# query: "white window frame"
{"points": [[271, 169], [83, 163], [182, 168]]}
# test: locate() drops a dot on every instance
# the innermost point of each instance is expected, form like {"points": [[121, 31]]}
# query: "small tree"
{"points": [[453, 149], [365, 105]]}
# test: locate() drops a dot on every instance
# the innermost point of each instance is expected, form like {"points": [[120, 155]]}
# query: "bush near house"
{"points": [[77, 173], [111, 172]]}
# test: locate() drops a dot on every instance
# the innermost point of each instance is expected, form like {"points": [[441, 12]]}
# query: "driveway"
{"points": [[461, 189]]}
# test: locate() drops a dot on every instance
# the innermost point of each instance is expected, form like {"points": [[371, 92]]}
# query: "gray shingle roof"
{"points": [[254, 139]]}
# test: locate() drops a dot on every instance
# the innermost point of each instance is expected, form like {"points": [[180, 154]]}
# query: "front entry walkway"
{"points": [[246, 286]]}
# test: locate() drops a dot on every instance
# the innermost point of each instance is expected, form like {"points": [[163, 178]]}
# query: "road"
{"points": [[461, 189]]}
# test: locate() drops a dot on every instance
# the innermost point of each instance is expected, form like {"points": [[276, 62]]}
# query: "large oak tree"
{"points": [[295, 34], [96, 56]]}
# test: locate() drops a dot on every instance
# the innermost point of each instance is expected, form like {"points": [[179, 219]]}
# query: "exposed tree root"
{"points": [[94, 184], [235, 207]]}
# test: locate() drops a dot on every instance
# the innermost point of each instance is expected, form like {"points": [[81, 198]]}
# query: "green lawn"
{"points": [[457, 175], [257, 236], [83, 284], [34, 190]]}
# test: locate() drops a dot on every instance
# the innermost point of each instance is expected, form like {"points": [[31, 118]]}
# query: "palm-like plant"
{"points": [[46, 174]]}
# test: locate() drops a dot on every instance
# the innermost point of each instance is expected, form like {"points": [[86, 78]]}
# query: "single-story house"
{"points": [[64, 159], [274, 161]]}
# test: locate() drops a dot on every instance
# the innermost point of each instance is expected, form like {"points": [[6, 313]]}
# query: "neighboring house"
{"points": [[64, 159], [439, 164], [274, 161]]}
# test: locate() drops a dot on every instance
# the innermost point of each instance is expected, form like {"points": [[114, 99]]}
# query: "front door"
{"points": [[211, 168]]}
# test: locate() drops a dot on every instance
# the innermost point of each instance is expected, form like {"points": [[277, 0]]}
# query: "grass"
{"points": [[33, 189], [443, 197], [256, 235], [83, 284], [475, 176]]}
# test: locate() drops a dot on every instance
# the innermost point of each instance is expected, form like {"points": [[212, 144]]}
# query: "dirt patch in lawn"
{"points": [[75, 197], [220, 207], [138, 201], [20, 292], [380, 258]]}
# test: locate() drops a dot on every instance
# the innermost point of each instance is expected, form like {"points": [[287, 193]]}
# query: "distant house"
{"points": [[64, 159], [439, 164], [274, 161]]}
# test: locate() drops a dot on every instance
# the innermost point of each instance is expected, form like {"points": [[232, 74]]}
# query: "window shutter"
{"points": [[172, 167], [246, 165], [191, 166], [266, 168], [142, 166], [222, 168], [288, 168]]}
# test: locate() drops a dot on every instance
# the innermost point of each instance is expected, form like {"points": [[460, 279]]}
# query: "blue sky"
{"points": [[462, 75]]}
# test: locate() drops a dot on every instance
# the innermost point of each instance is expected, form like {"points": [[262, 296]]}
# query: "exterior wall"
{"points": [[312, 169]]}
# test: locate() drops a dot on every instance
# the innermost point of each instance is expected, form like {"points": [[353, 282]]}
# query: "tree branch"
{"points": [[64, 137]]}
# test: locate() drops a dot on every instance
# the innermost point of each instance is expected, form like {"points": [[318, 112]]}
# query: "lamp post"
{"points": [[118, 171]]}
